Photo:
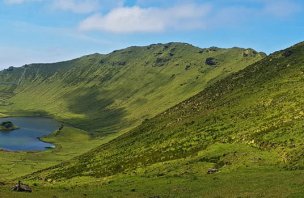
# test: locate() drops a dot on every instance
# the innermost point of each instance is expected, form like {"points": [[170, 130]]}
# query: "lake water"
{"points": [[26, 137]]}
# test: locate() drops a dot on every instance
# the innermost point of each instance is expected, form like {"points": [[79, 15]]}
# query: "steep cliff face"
{"points": [[108, 93]]}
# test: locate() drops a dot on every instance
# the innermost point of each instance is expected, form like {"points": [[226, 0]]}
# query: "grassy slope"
{"points": [[249, 124], [106, 93], [109, 93]]}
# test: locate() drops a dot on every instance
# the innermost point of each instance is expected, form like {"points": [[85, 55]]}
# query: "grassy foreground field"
{"points": [[244, 182]]}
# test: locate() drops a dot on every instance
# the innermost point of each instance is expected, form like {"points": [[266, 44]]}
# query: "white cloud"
{"points": [[77, 6], [18, 1], [281, 8], [14, 1], [137, 19], [184, 16], [160, 16]]}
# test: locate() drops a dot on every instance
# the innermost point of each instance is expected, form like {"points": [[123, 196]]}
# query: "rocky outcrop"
{"points": [[212, 170], [211, 61], [7, 126], [21, 188]]}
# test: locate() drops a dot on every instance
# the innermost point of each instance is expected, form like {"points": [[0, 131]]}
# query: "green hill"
{"points": [[248, 125], [103, 94]]}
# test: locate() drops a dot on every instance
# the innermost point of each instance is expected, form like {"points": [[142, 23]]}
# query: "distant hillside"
{"points": [[108, 93], [252, 118]]}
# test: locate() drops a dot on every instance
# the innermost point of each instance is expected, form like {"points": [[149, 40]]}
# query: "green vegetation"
{"points": [[244, 183], [104, 94], [111, 93], [248, 125]]}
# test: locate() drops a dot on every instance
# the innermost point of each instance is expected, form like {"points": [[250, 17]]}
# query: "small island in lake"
{"points": [[7, 126]]}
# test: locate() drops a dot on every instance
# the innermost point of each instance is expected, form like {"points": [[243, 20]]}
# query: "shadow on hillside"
{"points": [[99, 118], [30, 113]]}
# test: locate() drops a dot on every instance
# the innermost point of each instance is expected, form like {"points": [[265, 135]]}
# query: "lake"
{"points": [[26, 137]]}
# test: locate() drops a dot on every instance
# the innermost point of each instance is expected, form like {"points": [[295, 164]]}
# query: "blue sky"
{"points": [[53, 30]]}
